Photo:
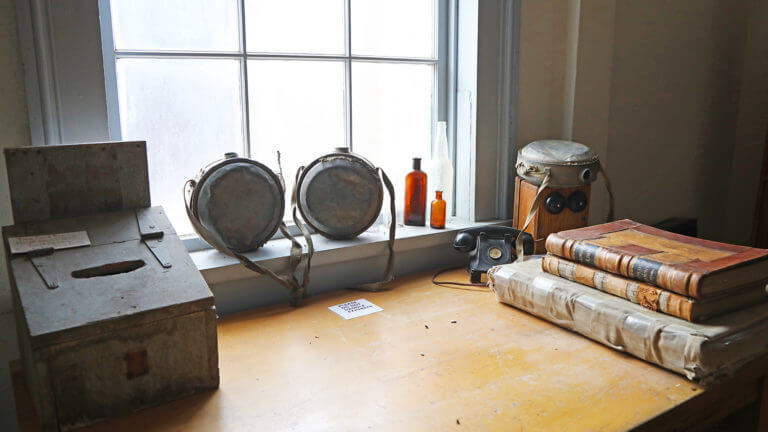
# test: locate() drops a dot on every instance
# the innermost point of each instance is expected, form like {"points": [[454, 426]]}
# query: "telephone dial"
{"points": [[489, 246]]}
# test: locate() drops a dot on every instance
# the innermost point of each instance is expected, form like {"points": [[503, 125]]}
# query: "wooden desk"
{"points": [[409, 368]]}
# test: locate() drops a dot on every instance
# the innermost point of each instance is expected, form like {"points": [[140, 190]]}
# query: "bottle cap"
{"points": [[416, 164]]}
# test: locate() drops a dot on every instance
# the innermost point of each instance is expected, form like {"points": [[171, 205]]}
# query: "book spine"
{"points": [[630, 266], [645, 295]]}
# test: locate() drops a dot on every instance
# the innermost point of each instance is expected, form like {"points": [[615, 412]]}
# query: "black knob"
{"points": [[577, 201], [555, 203]]}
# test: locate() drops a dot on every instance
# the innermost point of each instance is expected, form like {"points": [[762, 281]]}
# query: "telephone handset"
{"points": [[489, 246]]}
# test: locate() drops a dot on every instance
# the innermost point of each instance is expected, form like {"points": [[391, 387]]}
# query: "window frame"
{"points": [[441, 94], [62, 52]]}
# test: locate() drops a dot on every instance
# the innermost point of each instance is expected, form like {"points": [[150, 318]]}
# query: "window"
{"points": [[198, 78]]}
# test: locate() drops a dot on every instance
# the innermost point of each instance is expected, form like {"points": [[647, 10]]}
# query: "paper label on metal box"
{"points": [[68, 240], [355, 308]]}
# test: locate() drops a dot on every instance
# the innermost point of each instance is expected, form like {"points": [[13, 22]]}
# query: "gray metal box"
{"points": [[120, 324]]}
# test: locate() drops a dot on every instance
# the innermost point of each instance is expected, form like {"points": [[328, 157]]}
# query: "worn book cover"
{"points": [[689, 266], [651, 297]]}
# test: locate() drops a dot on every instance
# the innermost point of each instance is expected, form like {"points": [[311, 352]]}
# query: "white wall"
{"points": [[14, 126], [541, 78], [671, 94], [80, 88], [674, 104], [14, 132], [744, 169]]}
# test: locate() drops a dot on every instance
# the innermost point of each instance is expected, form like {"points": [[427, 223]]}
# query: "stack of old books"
{"points": [[686, 277], [630, 286]]}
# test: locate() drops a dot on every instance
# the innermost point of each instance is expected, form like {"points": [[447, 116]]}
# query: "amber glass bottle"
{"points": [[437, 213], [415, 196]]}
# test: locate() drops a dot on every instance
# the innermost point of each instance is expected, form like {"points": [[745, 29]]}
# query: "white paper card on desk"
{"points": [[19, 245], [355, 308]]}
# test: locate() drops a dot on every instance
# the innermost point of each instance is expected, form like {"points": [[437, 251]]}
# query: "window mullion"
{"points": [[110, 71], [348, 71], [244, 80]]}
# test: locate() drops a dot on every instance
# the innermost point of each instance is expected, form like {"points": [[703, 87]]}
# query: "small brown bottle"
{"points": [[437, 214], [415, 195]]}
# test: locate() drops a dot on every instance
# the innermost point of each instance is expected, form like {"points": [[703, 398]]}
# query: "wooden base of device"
{"points": [[545, 223]]}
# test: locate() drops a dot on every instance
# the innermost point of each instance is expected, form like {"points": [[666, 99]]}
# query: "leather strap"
{"points": [[611, 215], [531, 213], [296, 248], [304, 231], [295, 256], [389, 272]]}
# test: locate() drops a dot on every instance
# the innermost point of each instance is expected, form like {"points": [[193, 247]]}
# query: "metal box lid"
{"points": [[123, 278], [567, 163]]}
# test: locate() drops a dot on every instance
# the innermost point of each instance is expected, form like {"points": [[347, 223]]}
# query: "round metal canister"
{"points": [[569, 163], [240, 200], [340, 194]]}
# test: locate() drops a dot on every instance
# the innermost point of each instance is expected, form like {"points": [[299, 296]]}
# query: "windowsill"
{"points": [[217, 267]]}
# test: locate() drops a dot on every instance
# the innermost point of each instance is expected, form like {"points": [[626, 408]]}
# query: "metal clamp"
{"points": [[152, 236], [42, 260]]}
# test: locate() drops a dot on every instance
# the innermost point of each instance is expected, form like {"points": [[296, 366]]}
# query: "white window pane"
{"points": [[190, 113], [296, 107], [175, 25], [392, 116], [295, 26], [394, 28]]}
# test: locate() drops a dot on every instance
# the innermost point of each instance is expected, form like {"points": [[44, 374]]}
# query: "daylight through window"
{"points": [[198, 78]]}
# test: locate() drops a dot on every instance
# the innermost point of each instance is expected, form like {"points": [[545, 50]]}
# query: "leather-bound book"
{"points": [[654, 298], [689, 266]]}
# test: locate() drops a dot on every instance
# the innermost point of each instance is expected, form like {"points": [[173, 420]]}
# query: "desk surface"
{"points": [[410, 368]]}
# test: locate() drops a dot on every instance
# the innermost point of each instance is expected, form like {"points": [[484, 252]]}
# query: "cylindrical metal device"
{"points": [[340, 194], [239, 200]]}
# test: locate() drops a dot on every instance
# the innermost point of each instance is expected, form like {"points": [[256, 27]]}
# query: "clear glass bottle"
{"points": [[415, 196], [437, 211], [441, 168]]}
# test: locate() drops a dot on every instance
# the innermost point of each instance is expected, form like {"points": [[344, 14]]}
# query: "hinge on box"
{"points": [[152, 236], [42, 260]]}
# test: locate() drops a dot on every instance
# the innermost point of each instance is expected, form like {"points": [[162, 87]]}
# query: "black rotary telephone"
{"points": [[489, 246]]}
